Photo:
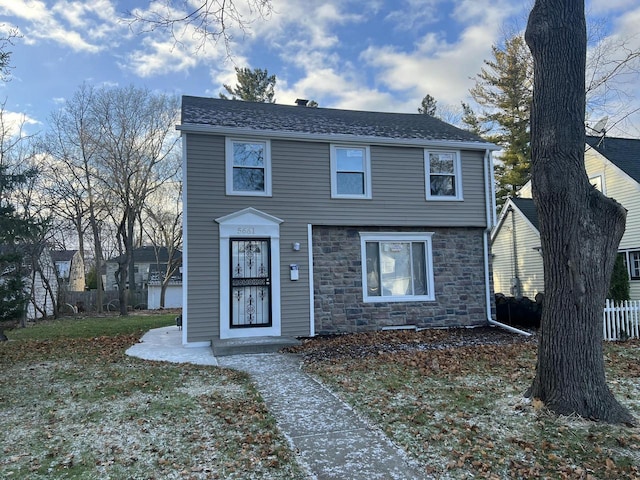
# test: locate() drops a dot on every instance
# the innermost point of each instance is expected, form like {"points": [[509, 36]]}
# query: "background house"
{"points": [[613, 167], [70, 268], [147, 259], [173, 289], [307, 220], [40, 280]]}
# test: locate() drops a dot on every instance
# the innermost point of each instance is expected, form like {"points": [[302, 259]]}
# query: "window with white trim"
{"points": [[248, 167], [442, 175], [350, 172], [597, 182], [397, 267], [633, 263]]}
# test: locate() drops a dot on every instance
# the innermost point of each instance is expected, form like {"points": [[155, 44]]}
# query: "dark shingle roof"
{"points": [[62, 255], [319, 121], [622, 152], [528, 209]]}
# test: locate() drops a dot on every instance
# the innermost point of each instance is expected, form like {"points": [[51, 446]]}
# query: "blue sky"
{"points": [[382, 55]]}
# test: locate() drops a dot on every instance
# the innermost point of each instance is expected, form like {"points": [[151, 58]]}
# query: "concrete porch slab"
{"points": [[250, 345]]}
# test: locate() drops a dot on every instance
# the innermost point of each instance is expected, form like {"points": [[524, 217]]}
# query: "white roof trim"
{"points": [[503, 216]]}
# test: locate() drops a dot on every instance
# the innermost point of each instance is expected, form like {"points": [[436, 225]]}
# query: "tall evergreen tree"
{"points": [[428, 106], [253, 86], [470, 120], [504, 89], [16, 234]]}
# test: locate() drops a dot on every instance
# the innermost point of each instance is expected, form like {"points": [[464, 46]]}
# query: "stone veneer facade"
{"points": [[458, 267]]}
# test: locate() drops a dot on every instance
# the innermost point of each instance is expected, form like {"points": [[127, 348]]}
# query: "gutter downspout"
{"points": [[490, 212]]}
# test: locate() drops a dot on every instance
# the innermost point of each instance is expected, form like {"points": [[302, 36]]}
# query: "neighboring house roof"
{"points": [[524, 206], [148, 254], [528, 209], [320, 122], [622, 152], [63, 255]]}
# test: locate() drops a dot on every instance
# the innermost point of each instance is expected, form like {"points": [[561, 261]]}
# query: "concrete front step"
{"points": [[238, 346]]}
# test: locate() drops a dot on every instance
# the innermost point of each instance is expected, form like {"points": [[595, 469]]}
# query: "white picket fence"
{"points": [[622, 320]]}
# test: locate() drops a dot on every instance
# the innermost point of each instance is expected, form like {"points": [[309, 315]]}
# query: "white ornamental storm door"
{"points": [[250, 302]]}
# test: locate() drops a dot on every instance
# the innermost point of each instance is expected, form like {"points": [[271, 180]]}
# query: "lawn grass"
{"points": [[87, 327], [461, 412], [75, 406]]}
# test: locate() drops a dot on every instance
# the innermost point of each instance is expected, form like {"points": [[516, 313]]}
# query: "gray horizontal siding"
{"points": [[202, 239], [294, 294]]}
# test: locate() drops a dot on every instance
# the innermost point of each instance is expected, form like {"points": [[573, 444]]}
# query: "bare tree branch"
{"points": [[209, 21]]}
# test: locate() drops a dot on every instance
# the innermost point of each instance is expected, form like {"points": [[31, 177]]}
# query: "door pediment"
{"points": [[249, 216]]}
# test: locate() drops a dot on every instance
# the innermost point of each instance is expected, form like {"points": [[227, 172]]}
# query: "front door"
{"points": [[250, 270]]}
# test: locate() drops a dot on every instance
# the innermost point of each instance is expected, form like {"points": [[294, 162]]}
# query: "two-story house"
{"points": [[613, 167], [299, 221]]}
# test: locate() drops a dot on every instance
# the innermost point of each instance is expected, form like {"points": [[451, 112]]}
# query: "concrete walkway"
{"points": [[332, 440]]}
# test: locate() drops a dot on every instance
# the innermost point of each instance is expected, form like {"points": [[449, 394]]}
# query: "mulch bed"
{"points": [[360, 345]]}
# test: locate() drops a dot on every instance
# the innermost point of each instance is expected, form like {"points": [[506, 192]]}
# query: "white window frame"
{"points": [[367, 171], [597, 180], [457, 174], [229, 167], [634, 275], [398, 237]]}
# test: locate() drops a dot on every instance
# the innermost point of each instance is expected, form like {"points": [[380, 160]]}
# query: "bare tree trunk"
{"points": [[123, 267], [97, 244], [163, 292], [129, 246], [580, 229]]}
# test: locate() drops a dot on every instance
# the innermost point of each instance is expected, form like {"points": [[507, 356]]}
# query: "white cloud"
{"points": [[411, 15], [443, 69], [15, 123], [608, 6], [68, 23]]}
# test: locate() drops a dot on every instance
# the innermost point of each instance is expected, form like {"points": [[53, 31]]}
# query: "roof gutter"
{"points": [[335, 137], [490, 212]]}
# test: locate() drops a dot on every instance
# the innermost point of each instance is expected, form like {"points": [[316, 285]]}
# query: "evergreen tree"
{"points": [[504, 89], [16, 234], [253, 86], [428, 106], [471, 121], [619, 284]]}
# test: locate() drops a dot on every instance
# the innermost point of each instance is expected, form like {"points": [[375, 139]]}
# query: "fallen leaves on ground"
{"points": [[81, 408], [454, 400]]}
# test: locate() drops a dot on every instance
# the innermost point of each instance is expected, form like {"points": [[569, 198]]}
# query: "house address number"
{"points": [[246, 231]]}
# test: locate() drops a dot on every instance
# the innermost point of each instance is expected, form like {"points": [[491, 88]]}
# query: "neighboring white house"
{"points": [[40, 281], [613, 166], [173, 292]]}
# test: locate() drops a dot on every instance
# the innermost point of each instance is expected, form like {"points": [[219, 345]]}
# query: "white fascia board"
{"points": [[356, 139]]}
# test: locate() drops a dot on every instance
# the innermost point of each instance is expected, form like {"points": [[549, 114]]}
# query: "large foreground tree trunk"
{"points": [[580, 228]]}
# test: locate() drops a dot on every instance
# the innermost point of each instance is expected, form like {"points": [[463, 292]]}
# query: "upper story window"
{"points": [[443, 175], [350, 172], [397, 267], [597, 182], [248, 167]]}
